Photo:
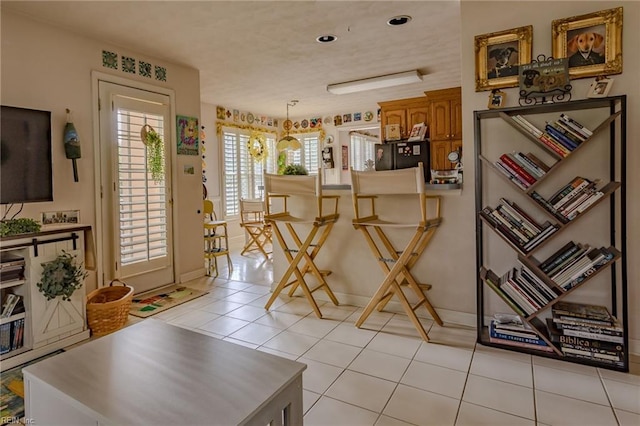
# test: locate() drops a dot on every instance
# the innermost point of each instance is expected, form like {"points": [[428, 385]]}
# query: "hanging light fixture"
{"points": [[288, 142]]}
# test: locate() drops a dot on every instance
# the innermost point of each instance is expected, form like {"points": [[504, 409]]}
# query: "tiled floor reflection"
{"points": [[386, 375]]}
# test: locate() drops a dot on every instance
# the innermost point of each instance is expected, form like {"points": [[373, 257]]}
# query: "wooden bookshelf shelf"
{"points": [[525, 287]]}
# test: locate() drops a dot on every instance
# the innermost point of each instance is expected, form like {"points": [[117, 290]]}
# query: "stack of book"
{"points": [[522, 169], [527, 291], [573, 263], [572, 199], [11, 305], [511, 330], [561, 136], [517, 226], [587, 332], [11, 335]]}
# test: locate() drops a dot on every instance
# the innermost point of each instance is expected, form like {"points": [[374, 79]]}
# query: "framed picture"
{"points": [[418, 132], [188, 134], [345, 157], [540, 78], [600, 88], [392, 132], [499, 56], [496, 99], [592, 43], [69, 216]]}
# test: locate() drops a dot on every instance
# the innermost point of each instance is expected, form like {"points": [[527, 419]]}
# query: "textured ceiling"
{"points": [[258, 55]]}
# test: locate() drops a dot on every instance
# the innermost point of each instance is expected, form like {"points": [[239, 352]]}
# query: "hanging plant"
{"points": [[61, 277], [155, 152]]}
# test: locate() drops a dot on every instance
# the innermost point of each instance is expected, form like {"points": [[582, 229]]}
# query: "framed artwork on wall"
{"points": [[592, 43], [188, 135], [499, 56]]}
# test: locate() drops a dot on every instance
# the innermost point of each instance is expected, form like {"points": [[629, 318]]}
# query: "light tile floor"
{"points": [[384, 374]]}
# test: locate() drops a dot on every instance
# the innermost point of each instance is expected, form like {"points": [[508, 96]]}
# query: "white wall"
{"points": [[50, 69], [486, 17]]}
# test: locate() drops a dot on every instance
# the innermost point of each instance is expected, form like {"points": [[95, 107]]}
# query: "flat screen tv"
{"points": [[25, 156]]}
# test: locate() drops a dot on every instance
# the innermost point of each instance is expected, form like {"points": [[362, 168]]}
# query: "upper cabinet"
{"points": [[445, 125], [405, 112]]}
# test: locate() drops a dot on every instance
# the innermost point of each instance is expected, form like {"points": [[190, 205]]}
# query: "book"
{"points": [[525, 345], [570, 261], [529, 165], [541, 237], [540, 284], [570, 196], [566, 189], [538, 162], [500, 227], [493, 283], [554, 146], [582, 338], [566, 131], [502, 169], [521, 172], [575, 125], [526, 125], [10, 305], [585, 205], [418, 132], [562, 124], [560, 138], [613, 330], [546, 265], [513, 226], [564, 309]]}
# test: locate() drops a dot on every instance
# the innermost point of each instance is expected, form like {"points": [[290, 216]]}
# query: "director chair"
{"points": [[304, 194], [258, 231], [372, 219], [216, 239]]}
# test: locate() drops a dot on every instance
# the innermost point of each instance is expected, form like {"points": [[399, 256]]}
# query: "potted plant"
{"points": [[61, 277], [295, 169], [18, 226], [155, 152]]}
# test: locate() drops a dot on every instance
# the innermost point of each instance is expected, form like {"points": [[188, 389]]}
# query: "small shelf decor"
{"points": [[155, 152], [61, 277], [18, 226]]}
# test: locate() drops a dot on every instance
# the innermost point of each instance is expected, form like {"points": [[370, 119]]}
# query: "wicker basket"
{"points": [[108, 308]]}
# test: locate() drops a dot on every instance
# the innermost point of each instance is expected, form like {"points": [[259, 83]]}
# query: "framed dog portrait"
{"points": [[499, 56], [592, 43], [496, 99]]}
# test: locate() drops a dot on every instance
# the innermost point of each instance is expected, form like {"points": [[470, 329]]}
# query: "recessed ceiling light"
{"points": [[399, 20], [327, 38]]}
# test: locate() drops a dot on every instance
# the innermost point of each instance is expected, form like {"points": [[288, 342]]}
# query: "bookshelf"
{"points": [[39, 326], [551, 220]]}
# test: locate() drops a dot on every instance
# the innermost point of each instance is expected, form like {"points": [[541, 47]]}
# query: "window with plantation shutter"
{"points": [[308, 155], [243, 176], [143, 201], [361, 150]]}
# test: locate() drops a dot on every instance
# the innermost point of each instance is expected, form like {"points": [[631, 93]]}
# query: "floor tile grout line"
{"points": [[606, 392]]}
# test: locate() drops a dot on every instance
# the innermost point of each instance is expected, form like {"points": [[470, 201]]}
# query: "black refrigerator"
{"points": [[402, 155]]}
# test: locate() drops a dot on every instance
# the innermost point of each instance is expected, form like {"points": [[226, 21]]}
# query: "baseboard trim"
{"points": [[189, 276]]}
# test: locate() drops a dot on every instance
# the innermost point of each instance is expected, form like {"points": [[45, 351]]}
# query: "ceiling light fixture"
{"points": [[399, 20], [288, 142], [389, 80], [327, 38]]}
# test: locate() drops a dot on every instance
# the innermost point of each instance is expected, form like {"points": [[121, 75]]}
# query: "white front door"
{"points": [[136, 208]]}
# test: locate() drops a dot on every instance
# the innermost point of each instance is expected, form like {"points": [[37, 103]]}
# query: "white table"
{"points": [[153, 373]]}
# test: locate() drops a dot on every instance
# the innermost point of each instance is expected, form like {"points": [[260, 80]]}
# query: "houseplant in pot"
{"points": [[61, 277]]}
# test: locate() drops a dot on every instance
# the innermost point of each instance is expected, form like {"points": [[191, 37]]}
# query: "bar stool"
{"points": [[216, 240], [383, 186], [258, 231], [303, 192]]}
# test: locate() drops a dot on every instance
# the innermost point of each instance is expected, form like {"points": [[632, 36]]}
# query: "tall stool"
{"points": [[280, 194], [216, 240], [383, 186], [258, 231]]}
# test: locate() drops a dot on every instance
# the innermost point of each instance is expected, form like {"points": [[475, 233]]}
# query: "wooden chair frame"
{"points": [[214, 247], [367, 187], [278, 191], [258, 231]]}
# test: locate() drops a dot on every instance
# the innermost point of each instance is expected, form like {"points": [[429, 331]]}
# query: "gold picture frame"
{"points": [[496, 99], [599, 36], [499, 55]]}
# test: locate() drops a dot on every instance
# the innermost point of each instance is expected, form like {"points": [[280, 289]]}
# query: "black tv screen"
{"points": [[25, 156]]}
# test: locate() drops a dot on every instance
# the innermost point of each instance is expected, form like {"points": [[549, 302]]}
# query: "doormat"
{"points": [[12, 396], [147, 304]]}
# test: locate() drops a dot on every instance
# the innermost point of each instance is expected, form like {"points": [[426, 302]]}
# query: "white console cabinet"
{"points": [[48, 324]]}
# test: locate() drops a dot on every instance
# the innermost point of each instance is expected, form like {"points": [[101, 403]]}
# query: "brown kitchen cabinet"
{"points": [[445, 125], [405, 112]]}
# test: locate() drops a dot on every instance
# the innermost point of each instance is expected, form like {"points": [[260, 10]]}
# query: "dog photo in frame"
{"points": [[592, 43], [499, 55]]}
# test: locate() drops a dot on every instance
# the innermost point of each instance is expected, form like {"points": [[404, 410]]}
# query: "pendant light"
{"points": [[288, 142]]}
